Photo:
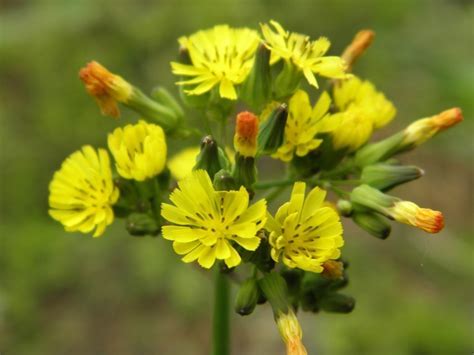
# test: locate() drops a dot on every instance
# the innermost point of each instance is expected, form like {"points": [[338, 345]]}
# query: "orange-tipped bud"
{"points": [[333, 269], [362, 40], [422, 130], [246, 131], [291, 333], [424, 218], [105, 87]]}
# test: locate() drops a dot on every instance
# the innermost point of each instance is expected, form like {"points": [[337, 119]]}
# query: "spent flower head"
{"points": [[82, 192], [303, 53], [105, 87], [221, 56], [139, 150], [206, 223], [304, 234]]}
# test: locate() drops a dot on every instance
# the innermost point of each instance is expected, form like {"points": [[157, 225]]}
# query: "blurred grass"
{"points": [[62, 293]]}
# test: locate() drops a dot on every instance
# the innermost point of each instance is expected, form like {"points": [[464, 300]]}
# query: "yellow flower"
{"points": [[423, 129], [291, 333], [304, 54], [139, 150], [302, 125], [206, 222], [246, 130], [304, 234], [182, 163], [219, 56], [105, 87], [82, 192], [362, 109]]}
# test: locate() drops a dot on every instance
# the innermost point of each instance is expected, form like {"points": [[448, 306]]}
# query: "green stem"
{"points": [[221, 314]]}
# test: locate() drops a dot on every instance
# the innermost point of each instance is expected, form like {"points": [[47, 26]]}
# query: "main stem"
{"points": [[221, 314]]}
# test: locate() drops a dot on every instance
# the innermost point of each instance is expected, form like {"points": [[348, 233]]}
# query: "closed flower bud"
{"points": [[373, 224], [105, 87], [256, 89], [223, 181], [247, 297], [337, 303], [420, 131], [344, 207], [272, 131], [379, 151], [386, 176], [246, 130], [141, 224], [402, 211], [362, 40], [211, 158]]}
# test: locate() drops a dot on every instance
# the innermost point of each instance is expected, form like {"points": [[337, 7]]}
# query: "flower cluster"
{"points": [[209, 200]]}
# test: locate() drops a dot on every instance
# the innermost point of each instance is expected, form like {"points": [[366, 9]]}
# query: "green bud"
{"points": [[164, 97], [247, 297], [211, 158], [373, 223], [140, 224], [365, 197], [223, 181], [386, 176], [152, 110], [272, 131], [287, 81], [344, 207], [245, 172], [274, 288], [256, 89], [379, 151], [337, 303]]}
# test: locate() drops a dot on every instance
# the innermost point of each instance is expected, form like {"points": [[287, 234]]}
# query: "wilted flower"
{"points": [[220, 56], [139, 150], [206, 221], [246, 131], [82, 192]]}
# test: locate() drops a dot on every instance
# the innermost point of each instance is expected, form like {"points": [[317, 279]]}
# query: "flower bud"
{"points": [[247, 297], [386, 176], [164, 97], [378, 151], [211, 158], [337, 303], [256, 89], [246, 130], [105, 87], [402, 211], [420, 131], [344, 207], [287, 82], [272, 131], [140, 224], [373, 224], [362, 40]]}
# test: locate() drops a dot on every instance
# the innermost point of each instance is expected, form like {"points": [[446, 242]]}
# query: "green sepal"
{"points": [[247, 297], [272, 131], [141, 224], [386, 176], [374, 224]]}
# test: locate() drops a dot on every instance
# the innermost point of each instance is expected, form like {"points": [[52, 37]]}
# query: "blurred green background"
{"points": [[72, 294]]}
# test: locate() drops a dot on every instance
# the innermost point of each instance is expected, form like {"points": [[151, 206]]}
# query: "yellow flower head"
{"points": [[183, 162], [362, 109], [246, 131], [424, 218], [82, 192], [139, 150], [304, 233], [302, 125], [206, 221], [219, 56], [105, 87], [291, 333], [423, 129], [299, 50]]}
